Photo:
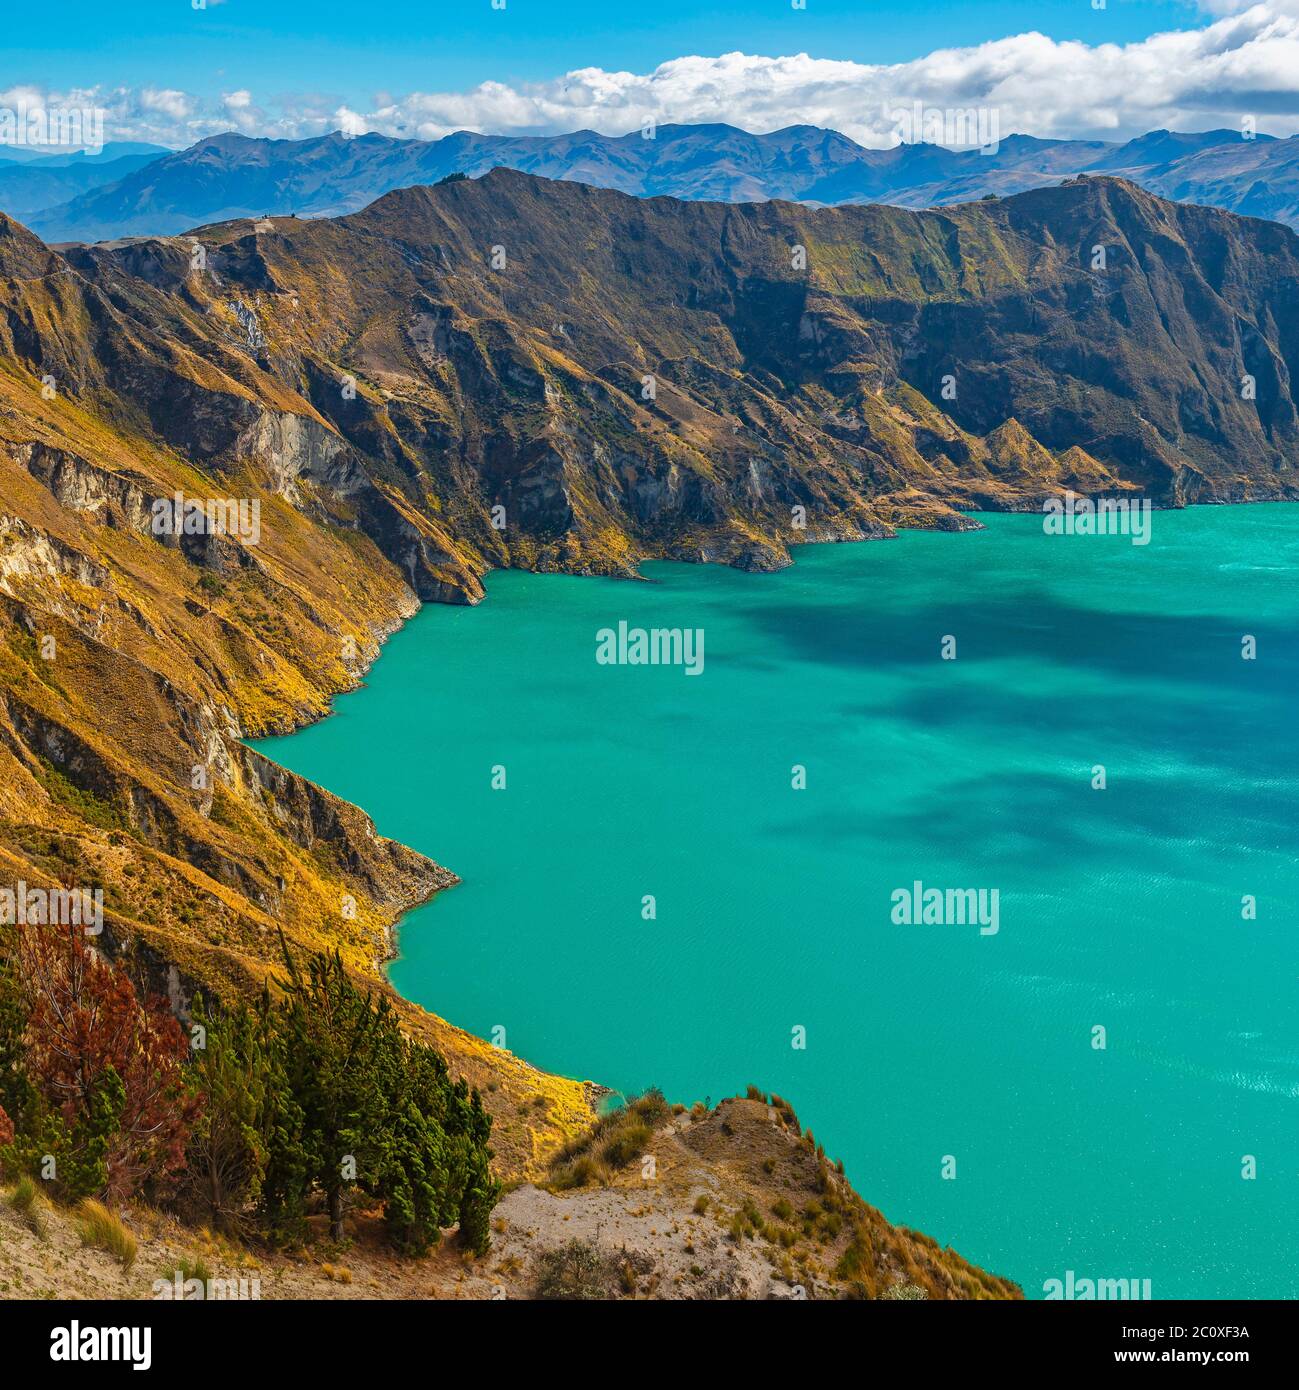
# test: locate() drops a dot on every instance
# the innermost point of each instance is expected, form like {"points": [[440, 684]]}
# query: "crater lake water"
{"points": [[1119, 908]]}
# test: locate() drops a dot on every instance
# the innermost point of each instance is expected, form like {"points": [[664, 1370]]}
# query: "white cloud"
{"points": [[1243, 61], [172, 105]]}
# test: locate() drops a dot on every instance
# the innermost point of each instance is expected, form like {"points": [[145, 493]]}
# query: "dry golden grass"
{"points": [[101, 1228]]}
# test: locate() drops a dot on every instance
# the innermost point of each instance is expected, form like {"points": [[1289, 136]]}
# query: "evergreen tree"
{"points": [[480, 1191], [333, 1036], [380, 1112], [435, 1169], [287, 1180], [226, 1157], [16, 1091]]}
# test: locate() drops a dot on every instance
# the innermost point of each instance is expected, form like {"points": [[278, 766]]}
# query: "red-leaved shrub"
{"points": [[86, 1023]]}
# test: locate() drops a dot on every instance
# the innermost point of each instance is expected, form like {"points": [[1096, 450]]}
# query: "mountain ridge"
{"points": [[233, 175], [972, 279]]}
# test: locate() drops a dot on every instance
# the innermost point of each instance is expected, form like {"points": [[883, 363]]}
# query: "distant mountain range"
{"points": [[55, 156], [31, 183], [231, 176]]}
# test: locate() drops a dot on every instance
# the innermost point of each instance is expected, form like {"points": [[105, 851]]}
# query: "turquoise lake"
{"points": [[1119, 908]]}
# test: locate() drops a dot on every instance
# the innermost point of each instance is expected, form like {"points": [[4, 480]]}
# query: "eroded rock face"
{"points": [[28, 557], [113, 499], [296, 449]]}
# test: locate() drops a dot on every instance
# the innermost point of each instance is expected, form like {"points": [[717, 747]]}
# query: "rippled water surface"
{"points": [[1119, 908]]}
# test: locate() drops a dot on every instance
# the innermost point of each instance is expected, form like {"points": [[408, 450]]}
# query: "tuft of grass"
{"points": [[29, 1201], [785, 1112], [100, 1228], [627, 1145], [611, 1131], [857, 1256], [195, 1267], [24, 1197], [582, 1172]]}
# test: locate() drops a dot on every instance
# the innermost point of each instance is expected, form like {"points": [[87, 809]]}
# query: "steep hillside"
{"points": [[132, 664], [634, 377], [517, 372], [741, 1206]]}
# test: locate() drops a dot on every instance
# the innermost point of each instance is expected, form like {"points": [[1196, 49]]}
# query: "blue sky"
{"points": [[161, 70], [352, 50]]}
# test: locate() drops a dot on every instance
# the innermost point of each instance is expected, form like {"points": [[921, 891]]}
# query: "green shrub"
{"points": [[193, 1267], [575, 1272], [85, 804]]}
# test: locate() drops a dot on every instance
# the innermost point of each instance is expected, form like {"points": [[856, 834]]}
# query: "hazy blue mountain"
{"points": [[52, 156], [231, 176], [29, 186], [1259, 178]]}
